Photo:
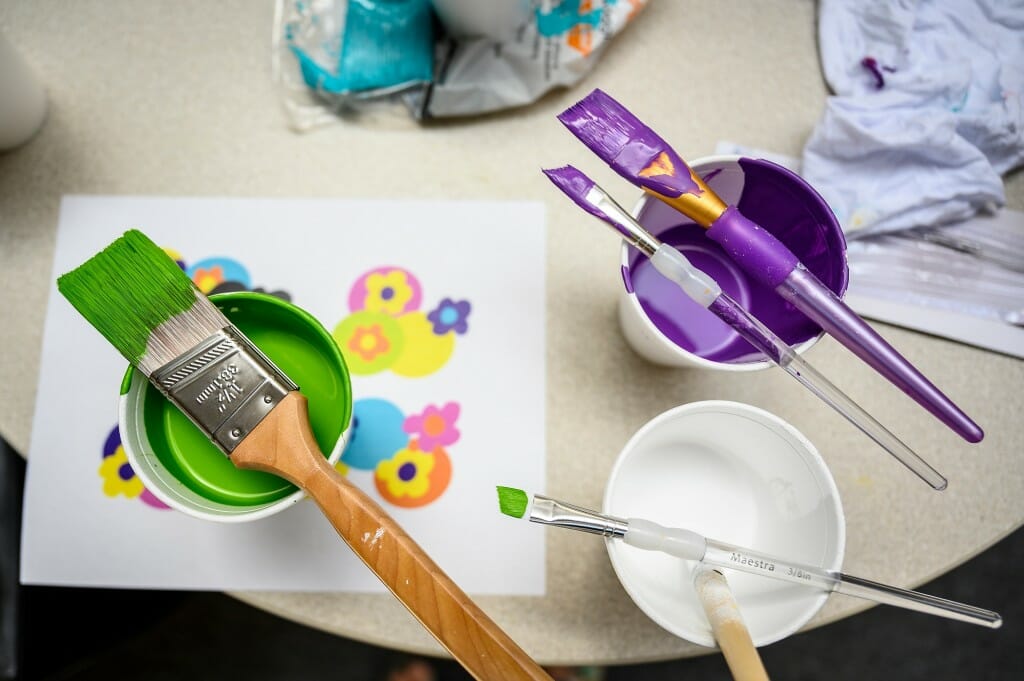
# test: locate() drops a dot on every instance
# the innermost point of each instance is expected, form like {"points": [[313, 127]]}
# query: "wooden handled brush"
{"points": [[148, 308], [727, 625]]}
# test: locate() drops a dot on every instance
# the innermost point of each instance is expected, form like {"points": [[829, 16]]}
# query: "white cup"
{"points": [[22, 98], [734, 473], [664, 326]]}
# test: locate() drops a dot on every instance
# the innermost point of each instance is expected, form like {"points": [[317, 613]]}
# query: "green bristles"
{"points": [[127, 290], [512, 501]]}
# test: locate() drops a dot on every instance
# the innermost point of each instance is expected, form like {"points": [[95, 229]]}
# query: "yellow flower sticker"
{"points": [[387, 292], [118, 476], [407, 473]]}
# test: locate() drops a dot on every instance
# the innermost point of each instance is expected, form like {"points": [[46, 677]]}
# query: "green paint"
{"points": [[512, 501], [297, 343], [127, 290], [126, 381]]}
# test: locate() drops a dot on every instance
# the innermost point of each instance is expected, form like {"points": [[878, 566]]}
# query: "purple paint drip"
{"points": [[713, 173], [622, 141], [871, 64], [627, 281], [576, 185]]}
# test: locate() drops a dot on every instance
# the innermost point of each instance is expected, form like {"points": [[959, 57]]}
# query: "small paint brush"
{"points": [[148, 308], [687, 544], [703, 290], [637, 153]]}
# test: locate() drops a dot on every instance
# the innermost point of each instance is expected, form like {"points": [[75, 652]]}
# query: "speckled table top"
{"points": [[176, 99]]}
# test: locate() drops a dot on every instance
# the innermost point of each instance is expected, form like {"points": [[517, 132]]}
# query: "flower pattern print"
{"points": [[434, 426]]}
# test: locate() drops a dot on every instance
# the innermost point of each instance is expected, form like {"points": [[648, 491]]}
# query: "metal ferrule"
{"points": [[550, 511], [703, 206], [631, 230], [225, 386]]}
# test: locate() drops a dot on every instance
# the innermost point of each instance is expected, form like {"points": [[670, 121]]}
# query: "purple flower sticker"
{"points": [[450, 316]]}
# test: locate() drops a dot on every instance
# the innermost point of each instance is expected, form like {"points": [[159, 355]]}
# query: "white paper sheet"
{"points": [[488, 253]]}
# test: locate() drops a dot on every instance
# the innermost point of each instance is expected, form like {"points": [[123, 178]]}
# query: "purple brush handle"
{"points": [[768, 261]]}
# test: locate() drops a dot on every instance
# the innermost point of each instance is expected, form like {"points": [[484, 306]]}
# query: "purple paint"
{"points": [[622, 141], [682, 320], [627, 281], [729, 312], [713, 173], [871, 64], [784, 205], [576, 185]]}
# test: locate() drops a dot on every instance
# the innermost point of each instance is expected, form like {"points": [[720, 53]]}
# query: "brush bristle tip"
{"points": [[512, 502]]}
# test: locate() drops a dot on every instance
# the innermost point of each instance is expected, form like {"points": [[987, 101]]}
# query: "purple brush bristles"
{"points": [[579, 188], [575, 185], [632, 149], [604, 125]]}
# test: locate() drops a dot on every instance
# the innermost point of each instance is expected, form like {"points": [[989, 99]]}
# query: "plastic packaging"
{"points": [[976, 269], [327, 54]]}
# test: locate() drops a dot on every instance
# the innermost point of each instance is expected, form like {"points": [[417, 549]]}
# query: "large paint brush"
{"points": [[641, 156], [148, 308], [703, 290]]}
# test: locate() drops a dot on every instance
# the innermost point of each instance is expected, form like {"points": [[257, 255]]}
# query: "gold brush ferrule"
{"points": [[224, 385], [703, 206]]}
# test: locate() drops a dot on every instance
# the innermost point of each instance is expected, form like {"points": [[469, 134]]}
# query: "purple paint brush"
{"points": [[703, 289], [637, 153]]}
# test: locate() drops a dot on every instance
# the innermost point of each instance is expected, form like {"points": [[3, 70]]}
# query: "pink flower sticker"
{"points": [[434, 427]]}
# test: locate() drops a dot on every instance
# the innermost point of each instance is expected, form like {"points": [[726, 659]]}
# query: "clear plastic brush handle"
{"points": [[725, 555], [762, 338]]}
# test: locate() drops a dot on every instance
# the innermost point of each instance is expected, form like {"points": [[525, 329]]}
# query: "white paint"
{"points": [[376, 536]]}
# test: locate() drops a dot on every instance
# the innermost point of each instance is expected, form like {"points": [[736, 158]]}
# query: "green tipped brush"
{"points": [[674, 541], [146, 306]]}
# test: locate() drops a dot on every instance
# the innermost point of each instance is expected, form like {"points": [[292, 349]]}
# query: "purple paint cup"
{"points": [[665, 327]]}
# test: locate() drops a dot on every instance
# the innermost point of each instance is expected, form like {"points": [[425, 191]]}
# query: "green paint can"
{"points": [[182, 468]]}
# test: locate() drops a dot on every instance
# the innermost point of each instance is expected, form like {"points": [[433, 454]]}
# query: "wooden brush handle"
{"points": [[729, 629], [283, 444]]}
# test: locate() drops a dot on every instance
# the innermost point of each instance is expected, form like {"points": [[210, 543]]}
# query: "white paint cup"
{"points": [[734, 473], [664, 326], [22, 98]]}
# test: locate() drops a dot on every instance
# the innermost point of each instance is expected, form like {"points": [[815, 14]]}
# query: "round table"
{"points": [[177, 99]]}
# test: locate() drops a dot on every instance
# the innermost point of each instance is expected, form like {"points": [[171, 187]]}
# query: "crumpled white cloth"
{"points": [[928, 111]]}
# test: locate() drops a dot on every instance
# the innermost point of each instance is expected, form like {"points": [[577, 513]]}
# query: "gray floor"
{"points": [[87, 634]]}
